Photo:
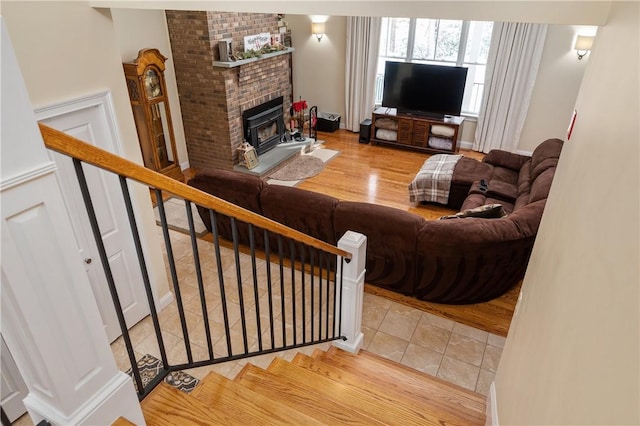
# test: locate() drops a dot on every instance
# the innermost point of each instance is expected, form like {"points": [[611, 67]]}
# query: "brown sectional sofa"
{"points": [[453, 261]]}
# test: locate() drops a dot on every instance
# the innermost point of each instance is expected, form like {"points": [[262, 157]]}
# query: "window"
{"points": [[438, 42]]}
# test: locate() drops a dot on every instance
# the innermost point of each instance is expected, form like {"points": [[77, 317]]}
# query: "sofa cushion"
{"points": [[237, 188], [521, 201], [543, 166], [391, 238], [467, 171], [544, 156], [502, 190], [527, 219], [501, 186], [524, 178], [305, 211], [541, 186], [500, 158], [505, 175]]}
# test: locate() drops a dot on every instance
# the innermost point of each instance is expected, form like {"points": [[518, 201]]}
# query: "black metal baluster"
{"points": [[267, 254], [335, 296], [304, 299], [196, 259], [313, 308], [282, 304], [174, 275], [143, 269], [328, 280], [234, 234], [292, 250], [320, 296], [255, 285], [223, 298], [97, 236]]}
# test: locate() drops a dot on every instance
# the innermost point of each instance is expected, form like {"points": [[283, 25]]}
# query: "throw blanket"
{"points": [[433, 181]]}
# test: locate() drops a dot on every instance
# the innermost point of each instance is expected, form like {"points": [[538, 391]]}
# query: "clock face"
{"points": [[152, 83]]}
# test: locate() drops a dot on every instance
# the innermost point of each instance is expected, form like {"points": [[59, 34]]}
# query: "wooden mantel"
{"points": [[233, 64]]}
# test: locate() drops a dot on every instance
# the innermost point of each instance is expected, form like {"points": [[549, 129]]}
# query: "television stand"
{"points": [[417, 132]]}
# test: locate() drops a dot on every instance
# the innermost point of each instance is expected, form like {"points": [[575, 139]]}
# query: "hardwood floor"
{"points": [[380, 174]]}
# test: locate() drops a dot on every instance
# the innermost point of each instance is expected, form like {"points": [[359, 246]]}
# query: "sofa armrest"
{"points": [[509, 160], [470, 260]]}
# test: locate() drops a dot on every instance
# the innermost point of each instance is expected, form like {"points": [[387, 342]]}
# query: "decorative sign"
{"points": [[256, 41]]}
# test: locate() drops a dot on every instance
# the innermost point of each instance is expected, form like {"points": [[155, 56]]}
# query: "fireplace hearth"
{"points": [[264, 125]]}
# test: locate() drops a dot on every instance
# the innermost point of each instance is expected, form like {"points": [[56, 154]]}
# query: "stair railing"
{"points": [[310, 271]]}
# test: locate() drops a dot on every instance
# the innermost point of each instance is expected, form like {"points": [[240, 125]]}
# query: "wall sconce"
{"points": [[317, 29], [583, 45]]}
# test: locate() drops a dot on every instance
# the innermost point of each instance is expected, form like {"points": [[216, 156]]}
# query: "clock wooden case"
{"points": [[151, 112]]}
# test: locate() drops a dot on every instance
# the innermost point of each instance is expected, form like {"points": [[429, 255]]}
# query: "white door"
{"points": [[12, 388], [91, 120]]}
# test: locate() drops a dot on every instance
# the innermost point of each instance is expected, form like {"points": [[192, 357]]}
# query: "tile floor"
{"points": [[438, 346]]}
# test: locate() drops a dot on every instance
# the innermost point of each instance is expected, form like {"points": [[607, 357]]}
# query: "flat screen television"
{"points": [[422, 89]]}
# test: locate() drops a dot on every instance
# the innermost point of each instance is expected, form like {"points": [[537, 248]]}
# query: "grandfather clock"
{"points": [[148, 95]]}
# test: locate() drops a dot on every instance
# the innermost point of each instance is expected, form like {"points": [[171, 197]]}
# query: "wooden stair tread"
{"points": [[228, 395], [333, 387], [369, 365], [432, 409], [168, 406], [300, 397], [385, 410]]}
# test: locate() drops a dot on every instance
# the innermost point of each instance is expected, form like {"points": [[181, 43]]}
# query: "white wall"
{"points": [[556, 88], [572, 354], [67, 50], [319, 67], [139, 29]]}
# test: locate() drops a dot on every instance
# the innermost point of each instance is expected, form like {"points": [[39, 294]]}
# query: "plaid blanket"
{"points": [[433, 181]]}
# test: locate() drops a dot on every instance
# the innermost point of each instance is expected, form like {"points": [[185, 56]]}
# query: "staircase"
{"points": [[333, 387]]}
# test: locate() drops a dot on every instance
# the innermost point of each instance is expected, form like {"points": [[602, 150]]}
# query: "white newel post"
{"points": [[352, 275], [50, 319]]}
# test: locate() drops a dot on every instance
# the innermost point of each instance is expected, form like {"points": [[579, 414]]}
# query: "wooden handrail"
{"points": [[75, 148]]}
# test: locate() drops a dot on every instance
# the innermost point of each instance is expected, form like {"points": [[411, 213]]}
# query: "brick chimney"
{"points": [[212, 98]]}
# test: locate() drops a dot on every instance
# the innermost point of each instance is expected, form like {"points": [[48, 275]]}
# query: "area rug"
{"points": [[303, 167], [150, 366], [177, 217]]}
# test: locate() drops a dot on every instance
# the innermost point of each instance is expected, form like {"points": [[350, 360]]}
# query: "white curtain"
{"points": [[512, 66], [363, 42]]}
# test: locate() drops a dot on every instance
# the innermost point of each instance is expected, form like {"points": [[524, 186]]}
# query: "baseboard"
{"points": [[466, 145], [352, 347], [165, 301], [492, 407], [116, 398], [469, 145]]}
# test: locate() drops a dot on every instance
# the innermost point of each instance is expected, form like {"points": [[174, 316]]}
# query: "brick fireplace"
{"points": [[213, 98]]}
